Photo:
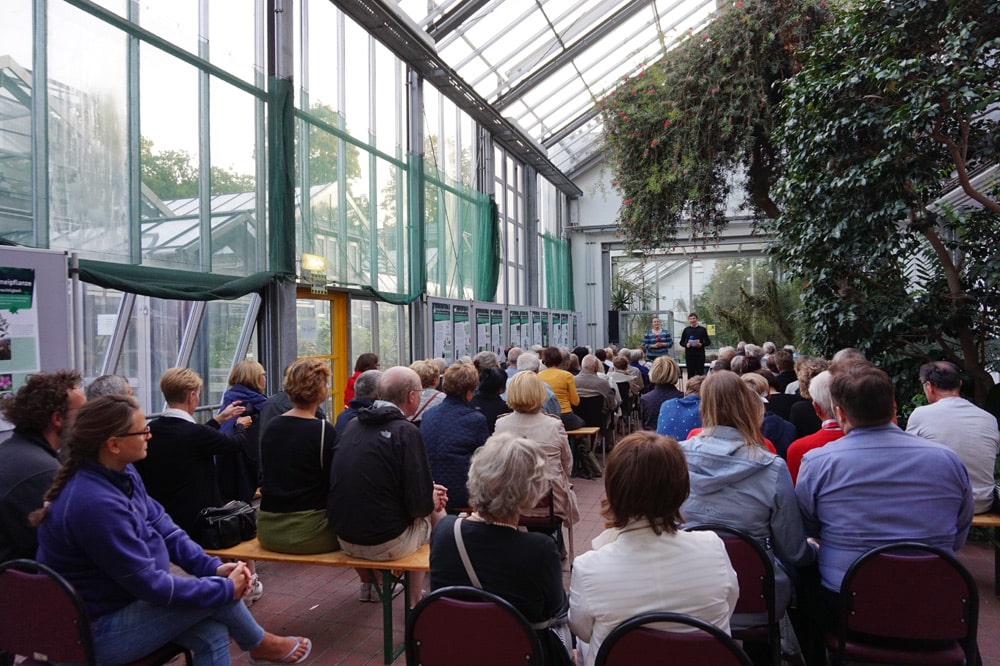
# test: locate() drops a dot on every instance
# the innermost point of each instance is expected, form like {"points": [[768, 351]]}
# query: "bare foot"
{"points": [[281, 649]]}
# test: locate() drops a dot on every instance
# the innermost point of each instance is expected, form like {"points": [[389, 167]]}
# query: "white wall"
{"points": [[595, 223]]}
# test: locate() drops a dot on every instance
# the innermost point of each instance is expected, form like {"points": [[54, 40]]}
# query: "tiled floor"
{"points": [[322, 603]]}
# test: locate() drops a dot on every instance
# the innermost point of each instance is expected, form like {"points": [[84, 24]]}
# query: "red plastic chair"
{"points": [[634, 643], [42, 618], [466, 625], [907, 603], [755, 572]]}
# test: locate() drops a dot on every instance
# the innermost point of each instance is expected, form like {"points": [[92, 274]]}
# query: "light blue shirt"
{"points": [[879, 485]]}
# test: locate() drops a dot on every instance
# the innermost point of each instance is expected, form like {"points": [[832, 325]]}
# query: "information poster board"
{"points": [[539, 331], [443, 332], [34, 314], [496, 334], [462, 331], [519, 334], [484, 333]]}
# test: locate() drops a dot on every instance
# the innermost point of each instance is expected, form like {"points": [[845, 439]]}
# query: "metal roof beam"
{"points": [[454, 18], [602, 30], [405, 39]]}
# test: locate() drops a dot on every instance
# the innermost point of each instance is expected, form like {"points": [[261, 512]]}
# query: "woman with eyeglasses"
{"points": [[115, 544]]}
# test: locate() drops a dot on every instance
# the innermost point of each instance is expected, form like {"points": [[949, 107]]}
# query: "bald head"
{"points": [[590, 363], [397, 385]]}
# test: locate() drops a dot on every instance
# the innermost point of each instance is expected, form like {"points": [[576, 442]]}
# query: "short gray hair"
{"points": [[366, 385], [529, 361], [819, 391], [485, 359], [108, 385], [636, 355], [507, 475]]}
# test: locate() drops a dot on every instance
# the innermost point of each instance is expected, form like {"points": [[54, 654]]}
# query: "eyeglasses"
{"points": [[144, 433]]}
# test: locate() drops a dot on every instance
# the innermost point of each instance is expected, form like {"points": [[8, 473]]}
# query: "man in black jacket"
{"points": [[383, 501]]}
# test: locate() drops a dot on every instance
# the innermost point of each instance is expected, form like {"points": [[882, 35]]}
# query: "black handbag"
{"points": [[225, 526]]}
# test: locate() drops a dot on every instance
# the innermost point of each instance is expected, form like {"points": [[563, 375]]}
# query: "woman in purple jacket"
{"points": [[114, 544]]}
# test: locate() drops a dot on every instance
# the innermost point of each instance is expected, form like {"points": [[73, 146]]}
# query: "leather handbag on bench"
{"points": [[225, 526]]}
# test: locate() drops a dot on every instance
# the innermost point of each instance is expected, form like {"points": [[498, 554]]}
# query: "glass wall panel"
{"points": [[323, 69], [390, 239], [363, 325], [358, 80], [176, 21], [100, 307], [215, 346], [237, 248], [313, 322], [171, 232], [88, 179], [231, 31], [390, 114], [390, 351], [355, 261], [15, 123]]}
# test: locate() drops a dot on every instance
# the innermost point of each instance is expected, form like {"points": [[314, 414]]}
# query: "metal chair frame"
{"points": [[707, 635]]}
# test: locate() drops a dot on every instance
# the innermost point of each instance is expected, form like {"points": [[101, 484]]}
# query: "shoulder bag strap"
{"points": [[322, 440], [422, 408], [464, 554]]}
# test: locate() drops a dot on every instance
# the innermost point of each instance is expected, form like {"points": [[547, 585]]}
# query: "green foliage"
{"points": [[677, 132], [324, 148], [173, 174], [894, 100], [746, 301]]}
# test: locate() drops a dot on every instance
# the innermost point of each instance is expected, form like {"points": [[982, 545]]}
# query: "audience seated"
{"points": [[115, 545], [801, 414], [525, 394], [365, 394], [643, 562], [430, 378], [663, 377], [239, 472], [452, 431], [296, 453], [819, 389], [964, 428], [179, 468], [485, 549], [591, 382], [383, 501], [562, 385], [487, 400], [735, 481], [41, 412], [366, 361], [877, 484], [777, 430], [680, 416]]}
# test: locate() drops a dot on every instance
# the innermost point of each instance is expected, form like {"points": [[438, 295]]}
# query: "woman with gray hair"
{"points": [[486, 549]]}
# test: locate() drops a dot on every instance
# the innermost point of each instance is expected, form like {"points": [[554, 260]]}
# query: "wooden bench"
{"points": [[418, 561], [992, 520]]}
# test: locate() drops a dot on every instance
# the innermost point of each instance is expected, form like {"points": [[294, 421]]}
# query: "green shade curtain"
{"points": [[558, 273], [171, 284], [462, 240]]}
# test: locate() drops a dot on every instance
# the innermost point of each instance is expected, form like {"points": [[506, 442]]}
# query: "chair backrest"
{"points": [[591, 410], [910, 591], [634, 643], [41, 614], [623, 390], [754, 569], [466, 625]]}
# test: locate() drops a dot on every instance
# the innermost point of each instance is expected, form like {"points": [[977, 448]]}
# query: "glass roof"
{"points": [[544, 63]]}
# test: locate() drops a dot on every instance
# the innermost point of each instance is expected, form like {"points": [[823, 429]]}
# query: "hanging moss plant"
{"points": [[682, 133]]}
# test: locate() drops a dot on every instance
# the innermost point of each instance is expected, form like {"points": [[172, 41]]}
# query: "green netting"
{"points": [[281, 203], [171, 284], [462, 237], [558, 273]]}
